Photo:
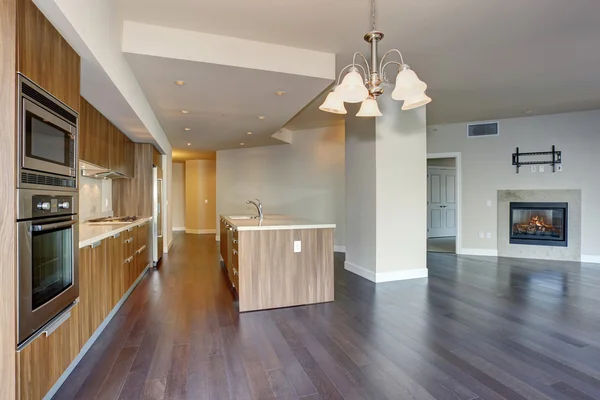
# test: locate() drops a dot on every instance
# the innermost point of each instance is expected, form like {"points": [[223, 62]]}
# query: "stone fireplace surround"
{"points": [[570, 253]]}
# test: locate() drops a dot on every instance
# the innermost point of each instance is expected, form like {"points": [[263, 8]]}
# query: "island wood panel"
{"points": [[44, 56], [8, 112], [271, 275], [44, 360], [93, 136], [134, 196], [92, 289]]}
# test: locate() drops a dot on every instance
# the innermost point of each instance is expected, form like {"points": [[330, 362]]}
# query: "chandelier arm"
{"points": [[368, 72], [386, 54], [346, 67]]}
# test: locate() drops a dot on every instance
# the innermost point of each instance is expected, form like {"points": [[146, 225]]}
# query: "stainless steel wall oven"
{"points": [[47, 208]]}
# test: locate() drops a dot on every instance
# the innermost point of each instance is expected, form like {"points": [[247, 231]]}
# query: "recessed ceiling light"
{"points": [[261, 117], [249, 133], [187, 129], [185, 112], [241, 144], [180, 83], [279, 93], [189, 144]]}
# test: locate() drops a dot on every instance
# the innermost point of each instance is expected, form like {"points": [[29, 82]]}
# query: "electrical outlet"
{"points": [[488, 203], [489, 235], [481, 234], [541, 168], [297, 246], [559, 168], [534, 168]]}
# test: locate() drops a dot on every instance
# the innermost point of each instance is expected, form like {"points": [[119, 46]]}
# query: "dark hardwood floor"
{"points": [[476, 328]]}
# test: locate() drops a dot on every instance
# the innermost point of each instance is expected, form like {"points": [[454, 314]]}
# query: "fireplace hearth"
{"points": [[539, 224]]}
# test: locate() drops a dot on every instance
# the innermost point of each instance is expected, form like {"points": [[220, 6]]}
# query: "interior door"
{"points": [[441, 202]]}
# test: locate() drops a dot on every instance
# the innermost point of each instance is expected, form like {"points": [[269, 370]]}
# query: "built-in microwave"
{"points": [[47, 151]]}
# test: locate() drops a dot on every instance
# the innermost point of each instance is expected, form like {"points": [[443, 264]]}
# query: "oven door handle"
{"points": [[48, 227]]}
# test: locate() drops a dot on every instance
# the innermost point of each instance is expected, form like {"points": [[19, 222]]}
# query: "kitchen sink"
{"points": [[242, 217]]}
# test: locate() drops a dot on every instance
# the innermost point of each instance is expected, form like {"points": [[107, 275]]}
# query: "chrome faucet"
{"points": [[258, 206]]}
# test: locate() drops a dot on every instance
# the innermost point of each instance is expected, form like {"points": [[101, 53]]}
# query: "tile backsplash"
{"points": [[95, 198]]}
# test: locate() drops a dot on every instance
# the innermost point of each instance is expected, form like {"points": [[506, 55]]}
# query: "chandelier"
{"points": [[366, 83]]}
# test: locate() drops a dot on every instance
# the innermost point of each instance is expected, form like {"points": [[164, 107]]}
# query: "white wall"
{"points": [[487, 167], [304, 179], [178, 193]]}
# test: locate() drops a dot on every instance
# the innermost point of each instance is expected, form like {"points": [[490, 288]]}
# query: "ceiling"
{"points": [[481, 59]]}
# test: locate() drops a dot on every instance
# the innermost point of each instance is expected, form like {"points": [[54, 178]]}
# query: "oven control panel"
{"points": [[44, 205]]}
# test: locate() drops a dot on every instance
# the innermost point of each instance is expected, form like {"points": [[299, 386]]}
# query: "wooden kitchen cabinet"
{"points": [[93, 136], [129, 254], [45, 57], [121, 152], [142, 247], [115, 270], [93, 288], [128, 154], [44, 360]]}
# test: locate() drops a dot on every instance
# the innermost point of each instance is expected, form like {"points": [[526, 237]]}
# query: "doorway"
{"points": [[443, 203]]}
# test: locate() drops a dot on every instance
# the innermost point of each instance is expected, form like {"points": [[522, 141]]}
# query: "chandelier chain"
{"points": [[373, 13]]}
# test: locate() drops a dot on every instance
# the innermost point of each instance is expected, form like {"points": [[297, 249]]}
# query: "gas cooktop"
{"points": [[113, 220]]}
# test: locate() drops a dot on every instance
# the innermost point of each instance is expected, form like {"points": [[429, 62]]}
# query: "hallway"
{"points": [[477, 328]]}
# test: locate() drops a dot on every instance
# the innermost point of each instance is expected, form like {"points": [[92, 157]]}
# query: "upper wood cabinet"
{"points": [[93, 136], [102, 144], [45, 57]]}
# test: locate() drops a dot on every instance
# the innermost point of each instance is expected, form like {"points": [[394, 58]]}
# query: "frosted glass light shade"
{"points": [[352, 88], [369, 108], [408, 85], [333, 104], [416, 101]]}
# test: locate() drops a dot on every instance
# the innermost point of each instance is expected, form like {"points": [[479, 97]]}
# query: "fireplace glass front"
{"points": [[540, 224]]}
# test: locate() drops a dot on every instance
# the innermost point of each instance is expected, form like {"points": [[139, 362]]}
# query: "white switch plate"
{"points": [[534, 168], [481, 235], [489, 235], [488, 203], [297, 246], [541, 168]]}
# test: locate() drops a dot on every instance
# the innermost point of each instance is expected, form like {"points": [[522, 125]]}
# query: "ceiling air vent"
{"points": [[482, 129]]}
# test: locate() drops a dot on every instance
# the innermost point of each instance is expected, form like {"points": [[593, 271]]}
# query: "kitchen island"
{"points": [[277, 261]]}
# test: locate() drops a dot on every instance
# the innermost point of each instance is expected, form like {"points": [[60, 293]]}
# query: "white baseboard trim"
{"points": [[88, 345], [200, 231], [179, 229], [386, 276], [168, 247], [360, 271], [590, 259], [339, 249], [479, 252]]}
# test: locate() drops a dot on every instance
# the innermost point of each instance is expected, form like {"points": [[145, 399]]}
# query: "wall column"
{"points": [[386, 193]]}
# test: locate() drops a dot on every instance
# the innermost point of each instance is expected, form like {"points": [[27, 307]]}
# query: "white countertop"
{"points": [[273, 222], [89, 234]]}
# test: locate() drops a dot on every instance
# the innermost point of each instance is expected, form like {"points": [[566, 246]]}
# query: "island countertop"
{"points": [[89, 234], [273, 222]]}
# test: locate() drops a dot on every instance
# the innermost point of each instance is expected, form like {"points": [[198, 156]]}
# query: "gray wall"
{"points": [[304, 179], [486, 165]]}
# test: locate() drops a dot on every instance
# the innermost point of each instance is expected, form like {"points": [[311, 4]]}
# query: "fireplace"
{"points": [[539, 224]]}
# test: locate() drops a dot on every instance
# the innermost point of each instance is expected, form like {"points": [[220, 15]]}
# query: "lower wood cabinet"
{"points": [[41, 363], [107, 269]]}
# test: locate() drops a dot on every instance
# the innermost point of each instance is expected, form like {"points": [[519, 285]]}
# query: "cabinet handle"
{"points": [[96, 244], [234, 252], [141, 249], [235, 240], [128, 240], [116, 235], [130, 259], [51, 326], [235, 271], [130, 229]]}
